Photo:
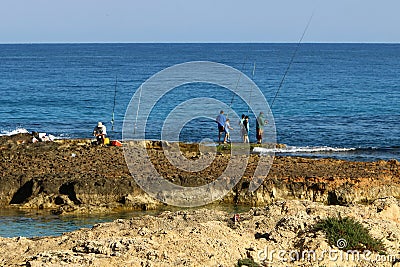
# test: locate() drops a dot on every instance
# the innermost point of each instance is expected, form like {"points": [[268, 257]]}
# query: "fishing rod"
{"points": [[115, 96], [292, 59], [251, 89], [237, 83], [138, 106]]}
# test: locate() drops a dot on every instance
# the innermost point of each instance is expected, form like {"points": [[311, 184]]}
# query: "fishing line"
{"points": [[251, 89], [237, 83], [292, 59], [137, 111], [115, 96]]}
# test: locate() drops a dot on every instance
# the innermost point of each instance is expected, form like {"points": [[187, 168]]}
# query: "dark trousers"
{"points": [[100, 139]]}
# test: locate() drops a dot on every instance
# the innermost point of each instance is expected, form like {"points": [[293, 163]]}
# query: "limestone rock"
{"points": [[279, 234]]}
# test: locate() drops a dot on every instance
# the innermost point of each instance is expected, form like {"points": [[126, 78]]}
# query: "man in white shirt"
{"points": [[100, 132]]}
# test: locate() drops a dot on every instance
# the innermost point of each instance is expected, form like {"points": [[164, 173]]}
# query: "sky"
{"points": [[134, 21]]}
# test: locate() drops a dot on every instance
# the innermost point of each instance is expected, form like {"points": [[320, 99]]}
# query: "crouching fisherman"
{"points": [[100, 132]]}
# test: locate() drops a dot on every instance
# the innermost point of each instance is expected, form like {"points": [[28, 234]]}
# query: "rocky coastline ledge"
{"points": [[74, 176]]}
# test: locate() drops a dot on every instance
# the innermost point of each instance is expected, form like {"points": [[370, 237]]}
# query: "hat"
{"points": [[99, 124]]}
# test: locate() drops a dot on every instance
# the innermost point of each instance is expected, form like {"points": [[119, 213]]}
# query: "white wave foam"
{"points": [[23, 130], [13, 132], [305, 149], [63, 136]]}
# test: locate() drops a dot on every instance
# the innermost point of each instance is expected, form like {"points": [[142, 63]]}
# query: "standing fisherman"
{"points": [[260, 123], [221, 120]]}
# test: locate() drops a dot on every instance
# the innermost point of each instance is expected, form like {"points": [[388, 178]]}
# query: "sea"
{"points": [[327, 100]]}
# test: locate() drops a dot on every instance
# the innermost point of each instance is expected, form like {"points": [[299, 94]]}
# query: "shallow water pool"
{"points": [[14, 223]]}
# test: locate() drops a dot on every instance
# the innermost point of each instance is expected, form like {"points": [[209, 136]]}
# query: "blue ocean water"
{"points": [[338, 100]]}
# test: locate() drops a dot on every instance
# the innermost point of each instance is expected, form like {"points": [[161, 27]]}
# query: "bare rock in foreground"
{"points": [[280, 234]]}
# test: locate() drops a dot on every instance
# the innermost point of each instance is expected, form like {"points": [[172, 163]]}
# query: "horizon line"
{"points": [[178, 42]]}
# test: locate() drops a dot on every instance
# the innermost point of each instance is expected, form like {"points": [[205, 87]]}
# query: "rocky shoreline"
{"points": [[72, 176], [75, 176], [280, 234]]}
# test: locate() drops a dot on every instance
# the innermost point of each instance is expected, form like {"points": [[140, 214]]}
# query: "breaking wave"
{"points": [[13, 132], [305, 149], [23, 131]]}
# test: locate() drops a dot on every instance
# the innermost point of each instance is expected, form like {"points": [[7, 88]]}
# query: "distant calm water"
{"points": [[338, 100]]}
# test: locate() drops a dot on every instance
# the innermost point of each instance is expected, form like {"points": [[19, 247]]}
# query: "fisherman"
{"points": [[246, 129], [227, 127], [260, 123], [100, 132], [242, 129], [221, 120]]}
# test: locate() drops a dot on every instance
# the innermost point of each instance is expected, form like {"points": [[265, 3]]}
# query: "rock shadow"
{"points": [[69, 190], [23, 193]]}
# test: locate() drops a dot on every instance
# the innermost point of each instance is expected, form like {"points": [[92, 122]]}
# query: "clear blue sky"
{"points": [[38, 21]]}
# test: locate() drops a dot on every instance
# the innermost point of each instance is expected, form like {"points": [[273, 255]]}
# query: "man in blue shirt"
{"points": [[221, 120]]}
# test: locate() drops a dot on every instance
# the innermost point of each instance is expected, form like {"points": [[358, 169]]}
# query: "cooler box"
{"points": [[106, 141], [116, 143]]}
